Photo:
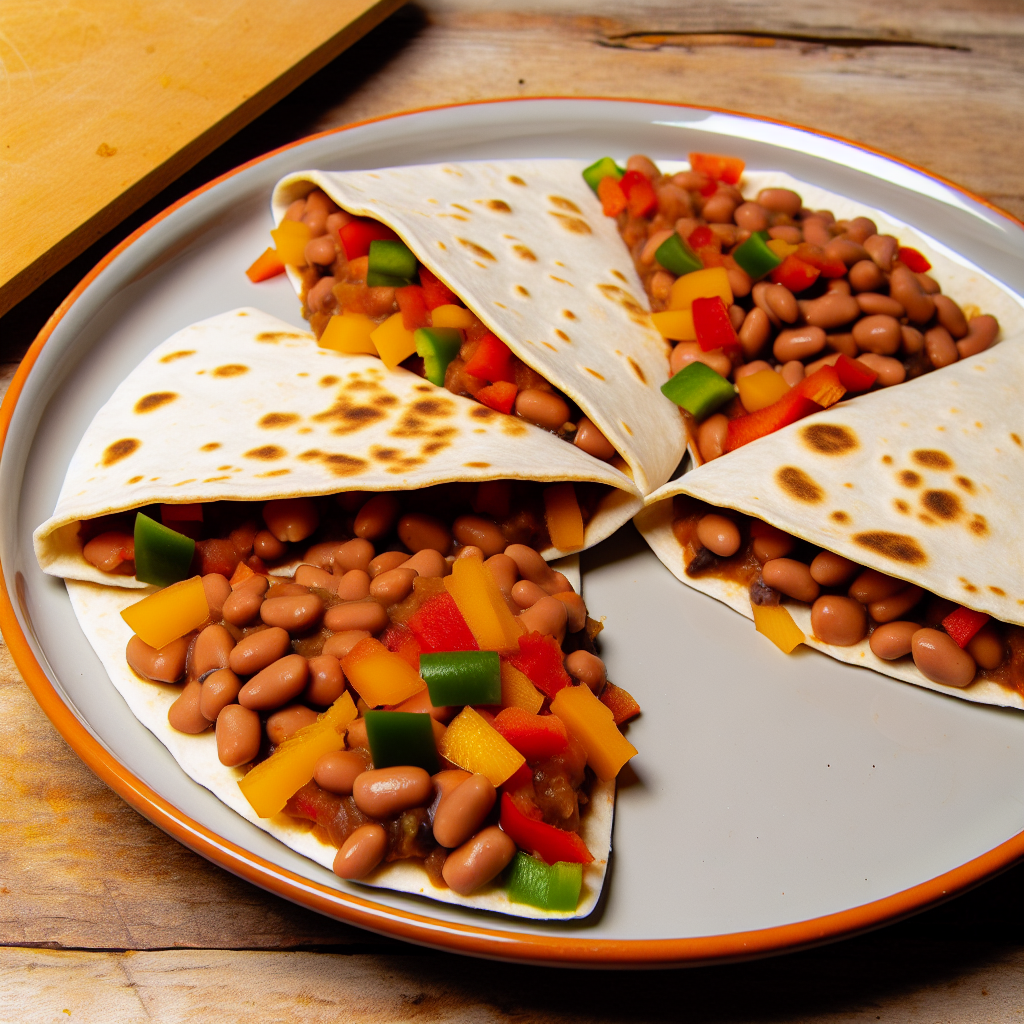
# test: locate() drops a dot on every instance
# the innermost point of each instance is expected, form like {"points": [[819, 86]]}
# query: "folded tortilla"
{"points": [[99, 612], [245, 407], [526, 247], [924, 481]]}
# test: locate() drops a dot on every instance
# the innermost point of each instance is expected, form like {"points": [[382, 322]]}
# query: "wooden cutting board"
{"points": [[104, 102]]}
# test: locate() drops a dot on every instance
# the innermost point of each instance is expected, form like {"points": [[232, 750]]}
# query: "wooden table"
{"points": [[106, 919]]}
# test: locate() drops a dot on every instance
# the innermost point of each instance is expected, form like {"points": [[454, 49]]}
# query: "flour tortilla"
{"points": [[99, 612], [525, 245], [245, 407], [924, 481]]}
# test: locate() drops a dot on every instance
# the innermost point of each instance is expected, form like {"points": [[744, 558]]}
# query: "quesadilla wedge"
{"points": [[882, 531], [539, 311]]}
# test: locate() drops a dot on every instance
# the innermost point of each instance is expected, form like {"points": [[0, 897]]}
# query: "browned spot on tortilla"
{"points": [[181, 483], [968, 586], [516, 180], [522, 290], [230, 370], [273, 472], [147, 403], [594, 373], [619, 275], [902, 506], [513, 427], [1016, 439], [426, 388], [171, 356], [966, 483], [625, 299], [385, 401], [221, 469], [477, 250], [273, 337], [978, 525], [887, 460], [575, 225], [348, 415], [385, 454], [829, 439], [909, 478], [337, 463], [998, 591], [569, 314], [561, 280], [500, 305], [329, 381], [637, 369], [441, 245], [499, 206], [214, 479], [456, 216], [897, 546], [840, 517], [943, 504], [417, 419], [564, 204], [476, 465], [562, 335], [626, 427], [211, 447], [464, 209], [266, 453], [272, 420], [797, 484], [547, 344], [481, 412], [134, 479], [120, 450], [524, 252], [931, 458], [433, 447]]}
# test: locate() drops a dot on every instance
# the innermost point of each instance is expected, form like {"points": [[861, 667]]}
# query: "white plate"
{"points": [[775, 801]]}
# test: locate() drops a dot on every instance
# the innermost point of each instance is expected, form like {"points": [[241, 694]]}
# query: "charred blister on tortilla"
{"points": [[461, 723], [949, 643], [792, 306], [363, 291]]}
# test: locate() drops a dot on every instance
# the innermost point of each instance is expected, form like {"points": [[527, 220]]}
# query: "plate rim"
{"points": [[554, 948]]}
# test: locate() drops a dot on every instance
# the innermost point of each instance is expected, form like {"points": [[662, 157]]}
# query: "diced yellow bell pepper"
{"points": [[482, 605], [472, 743], [271, 783], [350, 333], [378, 676], [701, 284], [780, 248], [290, 238], [761, 389], [169, 613], [393, 341], [775, 622], [452, 316], [563, 517], [676, 324], [593, 724], [517, 691]]}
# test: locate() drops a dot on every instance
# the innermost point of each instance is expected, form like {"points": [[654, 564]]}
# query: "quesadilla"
{"points": [[893, 516]]}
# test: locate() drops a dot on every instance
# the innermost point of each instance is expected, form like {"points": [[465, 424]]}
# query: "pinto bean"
{"points": [[377, 517], [255, 652], [340, 644], [478, 861], [791, 578], [163, 665], [239, 735], [276, 685], [217, 590], [212, 648], [588, 668], [839, 621], [755, 332], [431, 563], [888, 609], [321, 556], [759, 293], [928, 284], [865, 277], [940, 347], [847, 250], [787, 233], [653, 244], [872, 303], [912, 340], [719, 534], [986, 647], [462, 810], [312, 576], [576, 609], [355, 553], [687, 352], [838, 286], [981, 332], [816, 231], [296, 613], [749, 369], [740, 284], [532, 567], [882, 249], [544, 408], [184, 714], [905, 288], [548, 616], [893, 640], [326, 680], [527, 594], [243, 606], [291, 519], [950, 316], [382, 792], [782, 302], [751, 217], [832, 570], [220, 689], [798, 343], [505, 572], [711, 435], [792, 372], [338, 770], [268, 547], [780, 200], [890, 371], [719, 209], [878, 333], [861, 228], [283, 724], [393, 586], [483, 533], [361, 852], [386, 561], [417, 531], [362, 615], [770, 542], [737, 314], [592, 441], [831, 310], [643, 165], [871, 586], [256, 583], [941, 660], [107, 552], [353, 586]]}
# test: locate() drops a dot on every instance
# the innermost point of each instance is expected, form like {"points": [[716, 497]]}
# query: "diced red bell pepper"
{"points": [[519, 778], [963, 624], [492, 360], [621, 702], [540, 659], [435, 292], [500, 396], [712, 325], [711, 257], [701, 237], [788, 409], [613, 199], [266, 266], [357, 235], [709, 189], [413, 306], [547, 842], [216, 555], [402, 641], [814, 255], [823, 387], [438, 625], [639, 192], [534, 736], [727, 169], [913, 260], [795, 274], [854, 376]]}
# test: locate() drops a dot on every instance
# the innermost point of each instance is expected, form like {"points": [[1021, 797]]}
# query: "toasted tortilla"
{"points": [[923, 481], [99, 612], [245, 407], [526, 247]]}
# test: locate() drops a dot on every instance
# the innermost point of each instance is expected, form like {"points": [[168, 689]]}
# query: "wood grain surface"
{"points": [[104, 918]]}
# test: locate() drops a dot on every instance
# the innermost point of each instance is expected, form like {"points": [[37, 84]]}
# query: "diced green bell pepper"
{"points": [[698, 389], [438, 346], [401, 738], [456, 678], [162, 556], [392, 264], [675, 255], [533, 882], [606, 167], [755, 257]]}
